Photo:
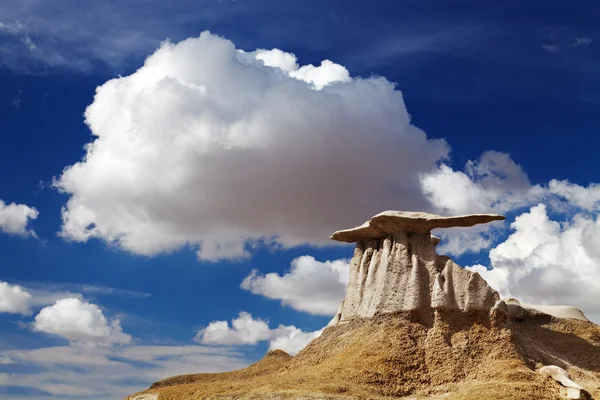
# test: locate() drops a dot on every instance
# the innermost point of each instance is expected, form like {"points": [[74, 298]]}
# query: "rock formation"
{"points": [[465, 343], [574, 390], [517, 310], [396, 268]]}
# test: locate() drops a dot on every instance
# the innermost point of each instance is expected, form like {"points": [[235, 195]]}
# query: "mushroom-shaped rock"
{"points": [[395, 268]]}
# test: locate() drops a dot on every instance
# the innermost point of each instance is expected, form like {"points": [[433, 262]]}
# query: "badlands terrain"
{"points": [[415, 325]]}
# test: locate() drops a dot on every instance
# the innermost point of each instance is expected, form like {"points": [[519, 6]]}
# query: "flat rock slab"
{"points": [[574, 390], [391, 222]]}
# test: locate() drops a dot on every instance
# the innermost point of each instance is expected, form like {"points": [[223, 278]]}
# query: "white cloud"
{"points": [[310, 285], [14, 299], [587, 198], [551, 48], [79, 321], [580, 41], [546, 262], [6, 360], [208, 147], [325, 74], [494, 183], [458, 241], [246, 330], [243, 330], [14, 218], [291, 339]]}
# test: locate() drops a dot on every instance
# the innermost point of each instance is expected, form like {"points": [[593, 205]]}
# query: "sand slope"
{"points": [[450, 356]]}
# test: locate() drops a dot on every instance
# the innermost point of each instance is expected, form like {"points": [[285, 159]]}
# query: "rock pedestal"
{"points": [[396, 268]]}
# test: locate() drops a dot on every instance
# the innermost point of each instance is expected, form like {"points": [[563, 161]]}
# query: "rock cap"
{"points": [[390, 222]]}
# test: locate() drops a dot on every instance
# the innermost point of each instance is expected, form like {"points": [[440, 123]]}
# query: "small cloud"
{"points": [[580, 41], [573, 42], [29, 43], [310, 285], [245, 330], [14, 299], [79, 321], [552, 48], [14, 218], [17, 28], [6, 360], [104, 290]]}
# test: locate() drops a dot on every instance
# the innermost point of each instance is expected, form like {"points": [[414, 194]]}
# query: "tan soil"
{"points": [[453, 356]]}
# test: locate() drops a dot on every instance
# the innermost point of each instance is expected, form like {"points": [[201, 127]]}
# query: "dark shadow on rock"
{"points": [[553, 347]]}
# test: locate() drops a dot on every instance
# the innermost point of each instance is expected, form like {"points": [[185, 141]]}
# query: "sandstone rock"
{"points": [[146, 396], [514, 309], [558, 311], [395, 268], [499, 313], [518, 310], [574, 390]]}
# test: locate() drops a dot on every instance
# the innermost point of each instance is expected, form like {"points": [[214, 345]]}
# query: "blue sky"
{"points": [[126, 261]]}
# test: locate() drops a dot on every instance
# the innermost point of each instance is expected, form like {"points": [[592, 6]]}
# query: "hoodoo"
{"points": [[396, 268]]}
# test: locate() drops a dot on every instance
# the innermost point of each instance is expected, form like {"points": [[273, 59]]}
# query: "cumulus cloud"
{"points": [[546, 262], [496, 184], [245, 330], [14, 218], [458, 241], [576, 196], [328, 72], [79, 321], [310, 285], [215, 148], [14, 299]]}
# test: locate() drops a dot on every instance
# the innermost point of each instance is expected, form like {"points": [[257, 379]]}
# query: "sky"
{"points": [[170, 172]]}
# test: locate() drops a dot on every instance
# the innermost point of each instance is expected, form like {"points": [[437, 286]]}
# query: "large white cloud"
{"points": [[14, 299], [14, 218], [546, 262], [79, 321], [245, 330], [212, 147], [310, 285]]}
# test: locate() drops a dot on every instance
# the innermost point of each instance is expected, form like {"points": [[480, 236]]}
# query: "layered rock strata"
{"points": [[396, 268]]}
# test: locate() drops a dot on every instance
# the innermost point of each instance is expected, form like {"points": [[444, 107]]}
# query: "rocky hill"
{"points": [[416, 325]]}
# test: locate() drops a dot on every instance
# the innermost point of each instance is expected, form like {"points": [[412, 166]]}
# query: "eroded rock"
{"points": [[396, 268], [574, 390], [518, 310]]}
